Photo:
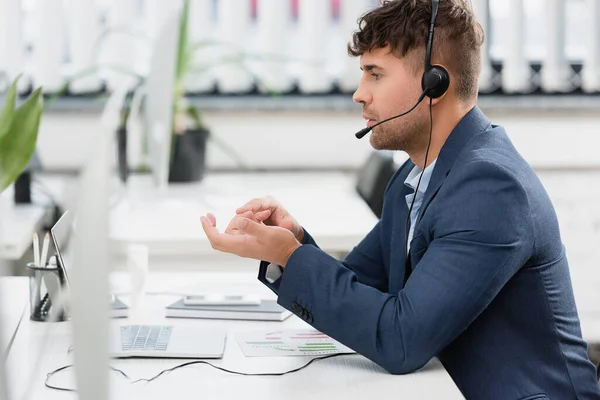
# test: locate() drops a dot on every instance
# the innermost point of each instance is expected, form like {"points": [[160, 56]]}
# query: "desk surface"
{"points": [[18, 223], [347, 377], [326, 204], [13, 306]]}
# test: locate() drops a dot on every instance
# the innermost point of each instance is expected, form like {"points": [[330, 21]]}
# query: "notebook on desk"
{"points": [[267, 310]]}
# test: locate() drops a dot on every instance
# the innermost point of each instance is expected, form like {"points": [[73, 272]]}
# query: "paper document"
{"points": [[299, 342]]}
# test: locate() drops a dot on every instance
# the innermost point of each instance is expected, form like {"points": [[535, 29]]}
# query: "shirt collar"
{"points": [[413, 177]]}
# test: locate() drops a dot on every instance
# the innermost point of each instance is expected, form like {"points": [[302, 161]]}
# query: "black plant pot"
{"points": [[23, 188], [189, 156], [122, 154]]}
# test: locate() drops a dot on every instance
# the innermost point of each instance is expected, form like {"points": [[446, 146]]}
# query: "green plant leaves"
{"points": [[183, 54], [8, 109], [18, 134]]}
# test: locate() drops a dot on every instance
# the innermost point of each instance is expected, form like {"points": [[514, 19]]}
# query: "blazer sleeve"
{"points": [[265, 266], [483, 235], [365, 260]]}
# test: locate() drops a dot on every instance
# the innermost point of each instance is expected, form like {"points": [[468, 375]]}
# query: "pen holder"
{"points": [[46, 286]]}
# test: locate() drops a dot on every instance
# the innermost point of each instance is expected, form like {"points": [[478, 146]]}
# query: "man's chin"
{"points": [[377, 143]]}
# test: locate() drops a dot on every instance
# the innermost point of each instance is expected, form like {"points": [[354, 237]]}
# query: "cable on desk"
{"points": [[51, 374], [241, 373]]}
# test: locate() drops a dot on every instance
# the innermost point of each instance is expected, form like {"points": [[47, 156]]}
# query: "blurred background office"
{"points": [[271, 82]]}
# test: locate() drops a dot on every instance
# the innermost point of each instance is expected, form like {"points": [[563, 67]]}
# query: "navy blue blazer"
{"points": [[489, 293]]}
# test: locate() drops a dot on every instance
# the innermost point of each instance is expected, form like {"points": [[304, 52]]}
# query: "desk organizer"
{"points": [[46, 285]]}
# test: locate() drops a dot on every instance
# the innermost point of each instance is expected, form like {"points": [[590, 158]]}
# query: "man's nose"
{"points": [[361, 96]]}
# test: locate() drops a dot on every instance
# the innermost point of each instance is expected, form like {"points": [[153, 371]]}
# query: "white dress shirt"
{"points": [[411, 181], [273, 273]]}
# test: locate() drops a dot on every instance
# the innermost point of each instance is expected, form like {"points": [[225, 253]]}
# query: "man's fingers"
{"points": [[250, 227], [262, 215], [231, 228], [221, 241], [211, 231], [212, 219], [251, 206], [256, 205]]}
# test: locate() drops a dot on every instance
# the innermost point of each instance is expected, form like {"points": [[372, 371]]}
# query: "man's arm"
{"points": [[365, 260], [483, 236], [270, 274]]}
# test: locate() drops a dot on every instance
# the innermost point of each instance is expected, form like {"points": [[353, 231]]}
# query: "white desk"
{"points": [[17, 225], [168, 221], [18, 222], [14, 303], [347, 377]]}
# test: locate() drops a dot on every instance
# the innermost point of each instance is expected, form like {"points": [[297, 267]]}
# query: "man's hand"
{"points": [[251, 239], [279, 216], [258, 217]]}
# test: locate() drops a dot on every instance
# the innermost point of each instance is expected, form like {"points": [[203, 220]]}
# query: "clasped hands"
{"points": [[261, 229]]}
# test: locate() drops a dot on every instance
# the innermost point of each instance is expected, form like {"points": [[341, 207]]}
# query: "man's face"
{"points": [[390, 86]]}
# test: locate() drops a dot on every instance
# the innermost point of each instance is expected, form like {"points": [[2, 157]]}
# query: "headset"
{"points": [[434, 83], [435, 80]]}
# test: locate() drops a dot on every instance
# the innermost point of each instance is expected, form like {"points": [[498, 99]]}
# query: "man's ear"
{"points": [[438, 99], [451, 88]]}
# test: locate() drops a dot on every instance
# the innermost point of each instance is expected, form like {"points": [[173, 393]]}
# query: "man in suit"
{"points": [[485, 286]]}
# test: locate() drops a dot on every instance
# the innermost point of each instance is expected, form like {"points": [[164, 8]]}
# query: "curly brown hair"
{"points": [[404, 26]]}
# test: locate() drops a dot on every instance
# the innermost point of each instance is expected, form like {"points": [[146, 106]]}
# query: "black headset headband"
{"points": [[436, 79]]}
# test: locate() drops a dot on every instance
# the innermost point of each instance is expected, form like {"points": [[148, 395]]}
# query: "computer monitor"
{"points": [[88, 273], [3, 379], [60, 232], [159, 98]]}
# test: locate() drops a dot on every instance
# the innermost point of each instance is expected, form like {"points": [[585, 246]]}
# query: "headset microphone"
{"points": [[360, 134]]}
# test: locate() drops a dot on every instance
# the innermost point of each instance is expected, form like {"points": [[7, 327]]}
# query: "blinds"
{"points": [[279, 45]]}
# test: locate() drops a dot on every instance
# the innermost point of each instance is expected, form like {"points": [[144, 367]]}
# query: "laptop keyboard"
{"points": [[145, 337]]}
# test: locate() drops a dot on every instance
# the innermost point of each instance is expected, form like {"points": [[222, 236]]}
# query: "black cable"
{"points": [[241, 373], [406, 225], [51, 374]]}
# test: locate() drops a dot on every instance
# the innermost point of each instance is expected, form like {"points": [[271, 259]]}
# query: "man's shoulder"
{"points": [[493, 152]]}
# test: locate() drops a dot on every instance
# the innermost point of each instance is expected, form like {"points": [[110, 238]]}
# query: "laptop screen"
{"points": [[60, 234]]}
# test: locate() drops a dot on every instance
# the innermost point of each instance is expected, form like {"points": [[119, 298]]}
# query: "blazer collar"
{"points": [[472, 124]]}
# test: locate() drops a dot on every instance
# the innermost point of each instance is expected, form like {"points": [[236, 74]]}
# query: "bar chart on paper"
{"points": [[284, 343]]}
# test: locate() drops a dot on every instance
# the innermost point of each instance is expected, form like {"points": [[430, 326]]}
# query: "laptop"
{"points": [[165, 341], [152, 341], [59, 234]]}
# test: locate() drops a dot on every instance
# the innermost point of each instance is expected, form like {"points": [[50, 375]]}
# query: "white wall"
{"points": [[554, 139]]}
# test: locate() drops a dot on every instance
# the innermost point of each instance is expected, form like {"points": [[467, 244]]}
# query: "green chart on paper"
{"points": [[282, 343]]}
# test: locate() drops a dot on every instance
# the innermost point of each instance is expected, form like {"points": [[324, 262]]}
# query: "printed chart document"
{"points": [[281, 343]]}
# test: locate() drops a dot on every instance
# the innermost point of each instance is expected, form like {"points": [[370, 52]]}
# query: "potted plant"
{"points": [[18, 133], [122, 164], [190, 134]]}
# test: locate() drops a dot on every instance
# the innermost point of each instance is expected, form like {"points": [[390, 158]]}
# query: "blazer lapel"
{"points": [[472, 124], [396, 224]]}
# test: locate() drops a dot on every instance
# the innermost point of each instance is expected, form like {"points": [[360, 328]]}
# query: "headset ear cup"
{"points": [[435, 81]]}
